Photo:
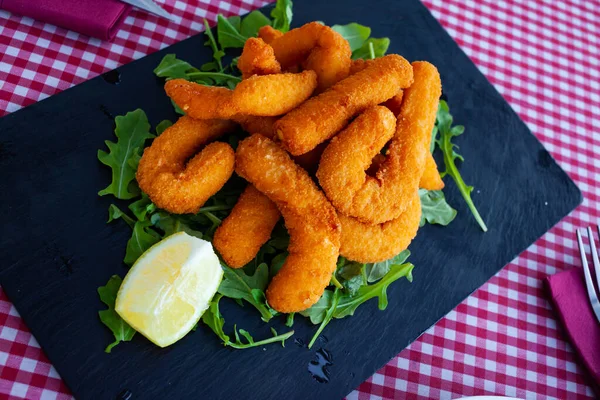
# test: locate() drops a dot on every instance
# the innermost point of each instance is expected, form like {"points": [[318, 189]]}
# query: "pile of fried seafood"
{"points": [[318, 122]]}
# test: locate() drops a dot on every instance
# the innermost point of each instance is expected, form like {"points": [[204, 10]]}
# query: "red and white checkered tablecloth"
{"points": [[543, 56]]}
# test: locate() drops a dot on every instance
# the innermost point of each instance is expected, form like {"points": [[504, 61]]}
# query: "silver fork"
{"points": [[591, 290]]}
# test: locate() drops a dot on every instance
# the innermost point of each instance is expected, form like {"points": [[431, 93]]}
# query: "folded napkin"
{"points": [[97, 18], [571, 302]]}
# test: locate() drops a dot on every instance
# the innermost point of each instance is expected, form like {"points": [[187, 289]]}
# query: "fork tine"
{"points": [[588, 277], [594, 256]]}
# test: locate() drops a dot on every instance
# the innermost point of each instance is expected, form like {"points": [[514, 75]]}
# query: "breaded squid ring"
{"points": [[249, 225], [258, 58], [310, 218], [268, 95], [268, 34], [317, 47], [384, 197], [180, 187], [366, 243], [431, 179], [321, 117]]}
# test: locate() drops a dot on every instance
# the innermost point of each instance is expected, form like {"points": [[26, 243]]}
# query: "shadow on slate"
{"points": [[57, 248]]}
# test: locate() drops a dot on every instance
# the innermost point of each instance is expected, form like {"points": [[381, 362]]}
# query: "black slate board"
{"points": [[57, 249]]}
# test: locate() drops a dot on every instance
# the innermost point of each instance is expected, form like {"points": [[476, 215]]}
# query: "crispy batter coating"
{"points": [[317, 47], [258, 58], [268, 95], [268, 34], [310, 219], [431, 179], [272, 95], [395, 103], [384, 197], [368, 243], [310, 161], [180, 187], [246, 228], [321, 117], [253, 124]]}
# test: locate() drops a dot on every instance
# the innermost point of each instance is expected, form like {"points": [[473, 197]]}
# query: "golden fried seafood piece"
{"points": [[179, 186], [310, 161], [310, 218], [246, 228], [395, 103], [253, 124], [322, 116], [358, 65], [258, 58], [268, 95], [368, 243], [268, 34], [386, 195], [431, 179], [317, 47]]}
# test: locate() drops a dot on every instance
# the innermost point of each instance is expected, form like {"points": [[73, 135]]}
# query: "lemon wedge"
{"points": [[169, 287]]}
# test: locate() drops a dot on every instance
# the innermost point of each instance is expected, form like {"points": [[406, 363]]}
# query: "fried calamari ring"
{"points": [[321, 117], [253, 124], [431, 179], [268, 34], [258, 58], [311, 221], [180, 187], [246, 228], [368, 243], [268, 95], [384, 197], [317, 47]]}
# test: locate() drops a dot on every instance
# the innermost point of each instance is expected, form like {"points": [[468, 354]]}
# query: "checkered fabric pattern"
{"points": [[543, 56]]}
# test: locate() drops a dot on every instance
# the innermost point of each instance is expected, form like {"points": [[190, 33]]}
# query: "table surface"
{"points": [[543, 57]]}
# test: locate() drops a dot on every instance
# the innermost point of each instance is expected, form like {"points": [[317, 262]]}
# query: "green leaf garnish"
{"points": [[237, 285], [229, 36], [282, 15], [372, 48], [132, 131], [171, 67], [434, 208], [252, 23], [214, 320], [446, 132], [109, 317], [162, 126], [317, 312], [354, 33], [376, 271], [212, 43], [142, 235]]}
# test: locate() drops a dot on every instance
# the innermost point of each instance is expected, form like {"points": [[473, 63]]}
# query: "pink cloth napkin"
{"points": [[569, 295], [97, 18]]}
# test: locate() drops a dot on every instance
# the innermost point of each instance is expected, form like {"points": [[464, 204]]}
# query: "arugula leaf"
{"points": [[141, 208], [162, 126], [171, 67], [252, 23], [237, 285], [132, 131], [212, 43], [235, 21], [214, 320], [434, 208], [142, 236], [318, 311], [351, 275], [277, 263], [444, 143], [328, 316], [372, 48], [229, 36], [354, 33], [376, 271], [282, 15], [348, 304], [109, 317], [289, 322]]}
